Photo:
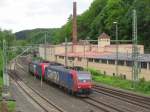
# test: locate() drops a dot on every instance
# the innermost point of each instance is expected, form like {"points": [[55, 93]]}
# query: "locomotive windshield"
{"points": [[84, 77]]}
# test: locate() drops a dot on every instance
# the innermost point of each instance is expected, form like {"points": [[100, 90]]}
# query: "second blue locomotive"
{"points": [[75, 82]]}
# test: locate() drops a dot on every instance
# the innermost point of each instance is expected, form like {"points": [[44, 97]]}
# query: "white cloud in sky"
{"points": [[28, 14]]}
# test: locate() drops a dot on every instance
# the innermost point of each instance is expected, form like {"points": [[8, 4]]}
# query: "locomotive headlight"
{"points": [[79, 87]]}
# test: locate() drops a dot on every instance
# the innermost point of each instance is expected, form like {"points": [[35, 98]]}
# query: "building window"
{"points": [[121, 63], [79, 59], [122, 76], [90, 60], [61, 57], [71, 58], [129, 63], [104, 61], [113, 74], [104, 72], [96, 60], [111, 62], [144, 65]]}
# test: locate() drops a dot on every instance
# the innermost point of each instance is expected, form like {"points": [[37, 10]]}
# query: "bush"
{"points": [[142, 80], [95, 72], [142, 86]]}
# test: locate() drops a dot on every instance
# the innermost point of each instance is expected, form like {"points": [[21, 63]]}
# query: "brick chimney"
{"points": [[74, 32]]}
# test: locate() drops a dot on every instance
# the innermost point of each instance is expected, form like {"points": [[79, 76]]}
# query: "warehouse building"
{"points": [[101, 57]]}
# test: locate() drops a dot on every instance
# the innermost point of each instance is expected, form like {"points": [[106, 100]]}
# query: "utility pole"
{"points": [[84, 50], [116, 24], [66, 51], [5, 73], [45, 56], [135, 68], [45, 53], [85, 57]]}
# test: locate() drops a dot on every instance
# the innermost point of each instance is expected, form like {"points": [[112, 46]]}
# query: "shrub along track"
{"points": [[43, 102]]}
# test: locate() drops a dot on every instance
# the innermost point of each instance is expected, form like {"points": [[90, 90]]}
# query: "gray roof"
{"points": [[125, 56], [121, 56]]}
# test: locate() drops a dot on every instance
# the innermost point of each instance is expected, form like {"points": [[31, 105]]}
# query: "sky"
{"points": [[17, 15]]}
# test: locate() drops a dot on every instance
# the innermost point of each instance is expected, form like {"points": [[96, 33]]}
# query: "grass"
{"points": [[11, 106], [142, 86], [1, 82]]}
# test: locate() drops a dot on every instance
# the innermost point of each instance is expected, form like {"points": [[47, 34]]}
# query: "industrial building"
{"points": [[101, 57]]}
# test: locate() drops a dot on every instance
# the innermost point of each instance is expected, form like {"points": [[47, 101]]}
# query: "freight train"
{"points": [[75, 82]]}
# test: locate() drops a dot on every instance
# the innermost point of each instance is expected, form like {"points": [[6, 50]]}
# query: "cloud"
{"points": [[27, 14]]}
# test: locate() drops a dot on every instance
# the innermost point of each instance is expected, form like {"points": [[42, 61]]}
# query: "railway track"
{"points": [[98, 104], [107, 106], [44, 103], [102, 106], [135, 99]]}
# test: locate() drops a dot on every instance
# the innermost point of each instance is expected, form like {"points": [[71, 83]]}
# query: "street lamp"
{"points": [[116, 24], [45, 45]]}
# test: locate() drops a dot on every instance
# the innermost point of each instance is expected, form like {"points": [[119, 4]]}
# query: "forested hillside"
{"points": [[100, 17], [35, 36]]}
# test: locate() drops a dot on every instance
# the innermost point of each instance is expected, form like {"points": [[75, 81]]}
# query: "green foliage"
{"points": [[1, 62], [1, 81], [10, 41], [8, 36], [35, 36], [37, 58], [21, 42], [11, 106], [142, 87]]}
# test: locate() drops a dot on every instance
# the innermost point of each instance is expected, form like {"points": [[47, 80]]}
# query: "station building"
{"points": [[101, 56]]}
